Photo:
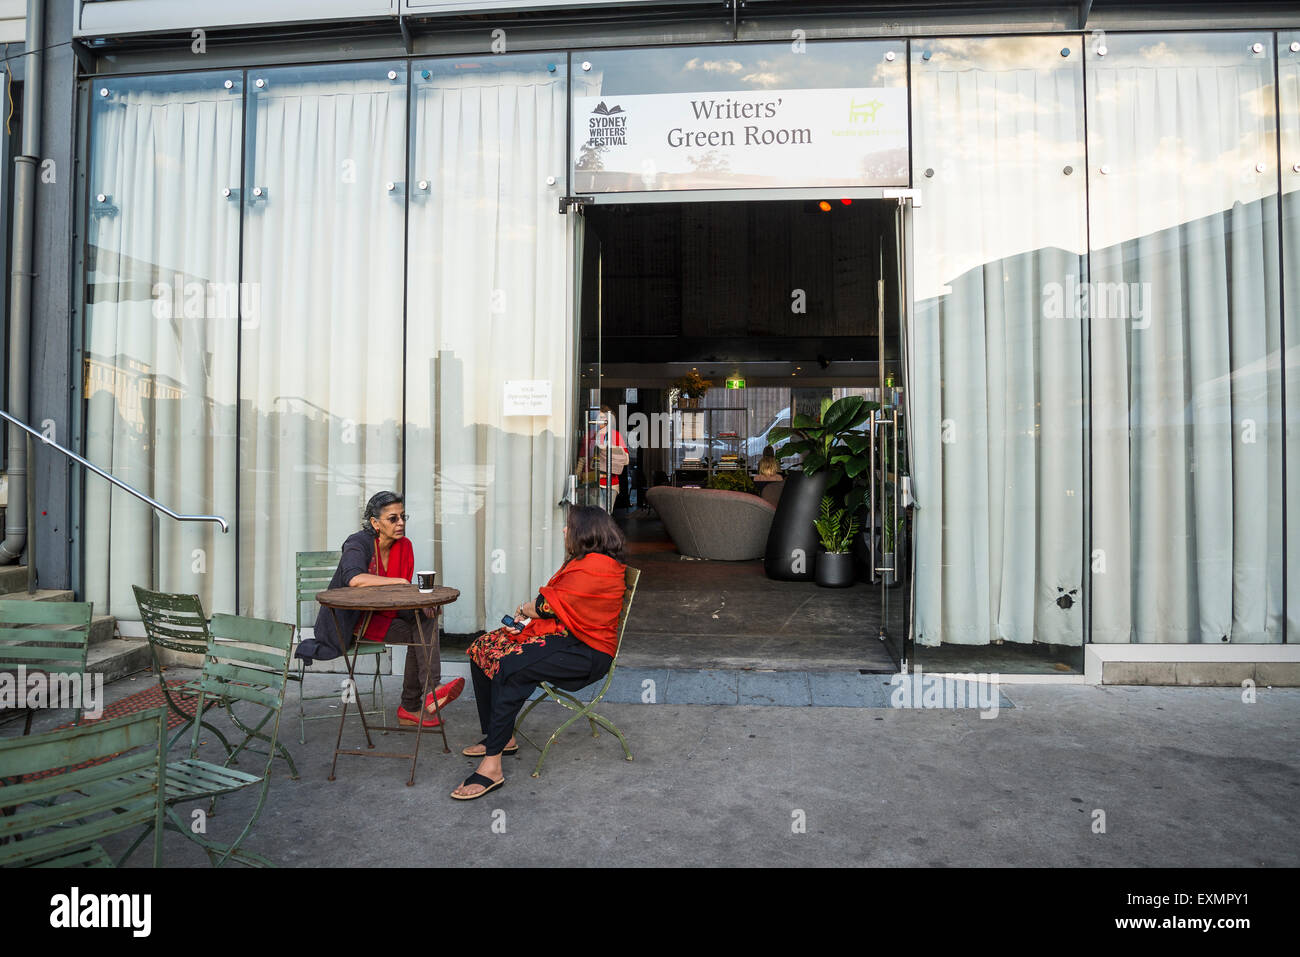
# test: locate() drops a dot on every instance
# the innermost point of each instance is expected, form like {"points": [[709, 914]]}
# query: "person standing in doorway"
{"points": [[604, 453]]}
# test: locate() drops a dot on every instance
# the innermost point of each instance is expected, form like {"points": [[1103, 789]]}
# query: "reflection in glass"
{"points": [[996, 379], [1186, 443], [489, 319], [321, 356], [161, 336]]}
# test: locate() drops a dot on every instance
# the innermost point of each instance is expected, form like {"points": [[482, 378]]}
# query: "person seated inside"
{"points": [[569, 640], [769, 467], [381, 554]]}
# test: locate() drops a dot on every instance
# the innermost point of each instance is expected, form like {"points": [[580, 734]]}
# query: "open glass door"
{"points": [[890, 492], [592, 481]]}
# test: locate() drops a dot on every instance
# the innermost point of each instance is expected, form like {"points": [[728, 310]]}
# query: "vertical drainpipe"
{"points": [[20, 299]]}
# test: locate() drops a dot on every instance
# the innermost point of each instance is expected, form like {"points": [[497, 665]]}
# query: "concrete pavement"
{"points": [[1070, 776]]}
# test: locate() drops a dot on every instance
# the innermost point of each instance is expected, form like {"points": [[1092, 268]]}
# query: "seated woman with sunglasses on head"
{"points": [[569, 641], [381, 554]]}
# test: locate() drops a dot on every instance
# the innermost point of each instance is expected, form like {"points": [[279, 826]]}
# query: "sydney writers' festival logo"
{"points": [[864, 112], [607, 126]]}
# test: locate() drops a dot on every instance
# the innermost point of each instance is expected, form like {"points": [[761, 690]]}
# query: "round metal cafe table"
{"points": [[369, 600]]}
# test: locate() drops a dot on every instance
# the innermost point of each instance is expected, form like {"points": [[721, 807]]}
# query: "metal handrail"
{"points": [[225, 526]]}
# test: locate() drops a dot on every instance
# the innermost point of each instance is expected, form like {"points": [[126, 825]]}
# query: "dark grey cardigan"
{"points": [[327, 643]]}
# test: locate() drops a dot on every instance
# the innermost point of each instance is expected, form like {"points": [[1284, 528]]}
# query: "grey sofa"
{"points": [[712, 523]]}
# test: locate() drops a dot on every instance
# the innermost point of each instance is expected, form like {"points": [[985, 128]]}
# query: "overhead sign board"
{"points": [[744, 139]]}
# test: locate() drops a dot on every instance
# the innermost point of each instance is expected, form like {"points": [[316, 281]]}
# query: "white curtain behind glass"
{"points": [[489, 302], [1187, 520], [996, 395], [160, 383], [322, 362], [1289, 99]]}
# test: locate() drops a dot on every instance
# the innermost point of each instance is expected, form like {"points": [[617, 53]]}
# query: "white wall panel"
{"points": [[97, 18]]}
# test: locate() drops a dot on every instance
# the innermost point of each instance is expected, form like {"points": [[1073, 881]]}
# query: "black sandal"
{"points": [[488, 787]]}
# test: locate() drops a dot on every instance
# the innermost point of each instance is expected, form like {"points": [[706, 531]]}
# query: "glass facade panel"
{"points": [[1096, 346], [821, 114], [321, 352], [161, 335], [996, 343], [490, 320], [1288, 70], [1185, 326]]}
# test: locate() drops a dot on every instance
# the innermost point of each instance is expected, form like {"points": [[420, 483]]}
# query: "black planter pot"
{"points": [[835, 569], [791, 554]]}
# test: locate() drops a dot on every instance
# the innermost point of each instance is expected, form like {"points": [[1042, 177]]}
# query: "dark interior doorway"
{"points": [[785, 297]]}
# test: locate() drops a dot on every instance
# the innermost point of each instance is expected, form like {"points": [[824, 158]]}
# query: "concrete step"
{"points": [[13, 578], [102, 628], [41, 594], [118, 657]]}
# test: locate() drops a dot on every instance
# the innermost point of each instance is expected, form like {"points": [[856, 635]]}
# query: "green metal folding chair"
{"points": [[314, 572], [583, 709], [49, 638], [247, 664], [78, 785], [177, 623]]}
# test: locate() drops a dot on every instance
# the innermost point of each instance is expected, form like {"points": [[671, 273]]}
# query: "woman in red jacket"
{"points": [[569, 640]]}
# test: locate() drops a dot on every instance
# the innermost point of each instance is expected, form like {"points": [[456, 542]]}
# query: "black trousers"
{"points": [[565, 662]]}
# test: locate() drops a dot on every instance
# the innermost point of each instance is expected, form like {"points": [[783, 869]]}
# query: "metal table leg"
{"points": [[352, 678]]}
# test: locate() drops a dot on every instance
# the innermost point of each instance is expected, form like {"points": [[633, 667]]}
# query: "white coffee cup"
{"points": [[425, 581]]}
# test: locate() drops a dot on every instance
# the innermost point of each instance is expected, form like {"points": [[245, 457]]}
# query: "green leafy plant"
{"points": [[737, 481], [836, 527], [692, 385], [836, 444]]}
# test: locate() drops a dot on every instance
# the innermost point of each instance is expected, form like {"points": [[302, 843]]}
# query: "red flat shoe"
{"points": [[406, 719], [446, 694]]}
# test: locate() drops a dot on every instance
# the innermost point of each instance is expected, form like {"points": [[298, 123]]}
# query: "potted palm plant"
{"points": [[832, 450], [836, 527]]}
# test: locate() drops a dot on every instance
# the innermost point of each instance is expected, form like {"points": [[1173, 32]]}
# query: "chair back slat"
{"points": [[173, 621], [252, 631], [214, 686], [64, 613], [265, 660], [56, 811], [55, 636], [43, 652], [259, 678], [79, 778], [315, 571]]}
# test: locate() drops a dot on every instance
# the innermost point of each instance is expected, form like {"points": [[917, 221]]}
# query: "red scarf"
{"points": [[587, 596], [401, 564]]}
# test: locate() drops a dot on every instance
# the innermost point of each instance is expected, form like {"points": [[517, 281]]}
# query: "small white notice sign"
{"points": [[527, 397]]}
